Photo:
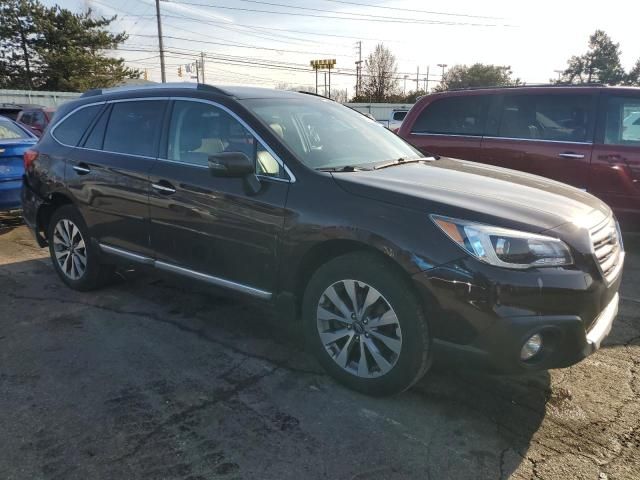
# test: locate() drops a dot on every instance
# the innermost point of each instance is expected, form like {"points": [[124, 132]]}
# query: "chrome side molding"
{"points": [[203, 277]]}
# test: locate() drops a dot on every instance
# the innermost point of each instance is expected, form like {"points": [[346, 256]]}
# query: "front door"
{"points": [[216, 228], [548, 134], [615, 174]]}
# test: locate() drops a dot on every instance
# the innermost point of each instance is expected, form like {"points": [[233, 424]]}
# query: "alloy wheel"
{"points": [[70, 249], [358, 328]]}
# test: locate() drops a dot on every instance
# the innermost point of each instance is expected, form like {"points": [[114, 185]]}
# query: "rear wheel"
{"points": [[74, 257], [365, 324]]}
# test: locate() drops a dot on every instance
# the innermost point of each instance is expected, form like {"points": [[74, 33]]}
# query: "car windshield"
{"points": [[10, 131], [326, 135]]}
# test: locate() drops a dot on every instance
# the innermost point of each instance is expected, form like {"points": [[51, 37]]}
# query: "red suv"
{"points": [[586, 136], [36, 118]]}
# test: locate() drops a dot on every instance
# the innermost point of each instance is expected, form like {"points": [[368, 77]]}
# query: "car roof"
{"points": [[237, 92], [32, 108], [586, 87]]}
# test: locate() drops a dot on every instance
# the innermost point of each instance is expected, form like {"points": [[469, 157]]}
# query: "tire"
{"points": [[399, 334], [79, 274]]}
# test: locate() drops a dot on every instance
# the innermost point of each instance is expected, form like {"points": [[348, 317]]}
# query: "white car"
{"points": [[395, 119]]}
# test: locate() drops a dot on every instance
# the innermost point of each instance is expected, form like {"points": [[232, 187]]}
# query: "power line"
{"points": [[361, 18], [412, 10], [240, 45]]}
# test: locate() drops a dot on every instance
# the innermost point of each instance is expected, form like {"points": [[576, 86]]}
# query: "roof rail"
{"points": [[528, 85], [153, 86], [315, 95]]}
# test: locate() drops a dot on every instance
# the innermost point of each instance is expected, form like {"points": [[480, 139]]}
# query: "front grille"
{"points": [[607, 248]]}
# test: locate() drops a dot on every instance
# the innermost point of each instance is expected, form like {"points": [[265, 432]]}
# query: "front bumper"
{"points": [[602, 326], [482, 316]]}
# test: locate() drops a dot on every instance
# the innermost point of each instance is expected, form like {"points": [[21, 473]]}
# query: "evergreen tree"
{"points": [[55, 49]]}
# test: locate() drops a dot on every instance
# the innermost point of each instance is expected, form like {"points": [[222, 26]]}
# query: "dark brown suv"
{"points": [[390, 259], [585, 136]]}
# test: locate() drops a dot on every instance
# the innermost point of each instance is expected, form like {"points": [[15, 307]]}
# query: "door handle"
{"points": [[81, 169], [571, 155], [165, 187]]}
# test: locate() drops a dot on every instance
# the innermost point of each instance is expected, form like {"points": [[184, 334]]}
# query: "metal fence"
{"points": [[46, 99]]}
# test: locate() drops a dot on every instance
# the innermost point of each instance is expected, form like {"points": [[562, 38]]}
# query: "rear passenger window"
{"points": [[622, 125], [567, 118], [134, 127], [463, 115], [71, 129]]}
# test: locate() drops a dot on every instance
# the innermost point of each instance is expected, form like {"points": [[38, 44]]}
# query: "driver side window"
{"points": [[198, 130]]}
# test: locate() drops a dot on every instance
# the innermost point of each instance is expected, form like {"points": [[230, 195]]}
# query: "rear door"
{"points": [[548, 134], [109, 175], [615, 176], [451, 126]]}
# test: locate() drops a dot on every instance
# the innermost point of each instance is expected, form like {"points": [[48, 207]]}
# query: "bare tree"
{"points": [[339, 95], [380, 80]]}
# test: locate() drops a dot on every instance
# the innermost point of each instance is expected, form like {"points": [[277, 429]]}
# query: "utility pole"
{"points": [[443, 66], [197, 71], [417, 77], [202, 65], [426, 81], [359, 68], [405, 84], [163, 74], [325, 84]]}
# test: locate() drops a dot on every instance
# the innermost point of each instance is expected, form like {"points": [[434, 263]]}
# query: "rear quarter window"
{"points": [[71, 129]]}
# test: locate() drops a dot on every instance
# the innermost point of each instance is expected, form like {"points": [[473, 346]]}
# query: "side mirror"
{"points": [[230, 164]]}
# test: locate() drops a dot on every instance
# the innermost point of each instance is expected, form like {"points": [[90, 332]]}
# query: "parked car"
{"points": [[36, 118], [10, 110], [396, 117], [585, 136], [391, 259], [14, 141]]}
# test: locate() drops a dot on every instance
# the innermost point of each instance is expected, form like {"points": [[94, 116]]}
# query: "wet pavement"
{"points": [[157, 378]]}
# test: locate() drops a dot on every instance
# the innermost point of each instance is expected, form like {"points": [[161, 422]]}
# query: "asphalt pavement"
{"points": [[158, 378]]}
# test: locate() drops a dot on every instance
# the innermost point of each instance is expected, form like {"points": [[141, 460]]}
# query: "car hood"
{"points": [[490, 194]]}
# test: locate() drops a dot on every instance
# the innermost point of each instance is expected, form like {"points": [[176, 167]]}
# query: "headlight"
{"points": [[503, 247]]}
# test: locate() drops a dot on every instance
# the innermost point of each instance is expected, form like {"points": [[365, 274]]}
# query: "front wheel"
{"points": [[74, 257], [365, 325]]}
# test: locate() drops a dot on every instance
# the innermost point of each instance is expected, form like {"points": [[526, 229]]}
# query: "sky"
{"points": [[245, 46]]}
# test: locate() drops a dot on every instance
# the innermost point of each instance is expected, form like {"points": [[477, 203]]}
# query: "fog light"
{"points": [[531, 347]]}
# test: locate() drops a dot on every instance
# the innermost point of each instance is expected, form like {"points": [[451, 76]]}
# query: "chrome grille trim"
{"points": [[607, 249]]}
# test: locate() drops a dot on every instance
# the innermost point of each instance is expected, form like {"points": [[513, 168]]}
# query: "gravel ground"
{"points": [[156, 378]]}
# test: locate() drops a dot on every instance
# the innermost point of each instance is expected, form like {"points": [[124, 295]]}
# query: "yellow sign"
{"points": [[325, 63]]}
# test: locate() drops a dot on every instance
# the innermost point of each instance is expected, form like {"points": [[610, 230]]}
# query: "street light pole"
{"points": [[162, 71], [443, 66]]}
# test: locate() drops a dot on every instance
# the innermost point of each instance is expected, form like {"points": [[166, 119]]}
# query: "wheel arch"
{"points": [[54, 201], [323, 252]]}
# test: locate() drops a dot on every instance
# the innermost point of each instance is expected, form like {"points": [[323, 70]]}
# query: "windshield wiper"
{"points": [[346, 168], [398, 161]]}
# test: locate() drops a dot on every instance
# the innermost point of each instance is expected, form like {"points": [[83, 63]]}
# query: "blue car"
{"points": [[14, 141]]}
